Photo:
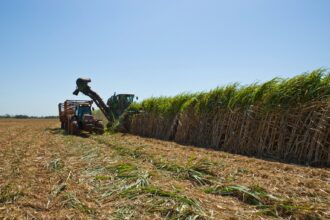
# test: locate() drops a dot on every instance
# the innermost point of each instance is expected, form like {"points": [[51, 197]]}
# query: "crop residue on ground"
{"points": [[46, 174]]}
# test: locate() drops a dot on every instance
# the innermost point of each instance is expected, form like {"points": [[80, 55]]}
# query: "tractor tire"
{"points": [[99, 128], [74, 127], [66, 126], [69, 128]]}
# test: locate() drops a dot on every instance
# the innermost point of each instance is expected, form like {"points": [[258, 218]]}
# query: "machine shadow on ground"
{"points": [[63, 132]]}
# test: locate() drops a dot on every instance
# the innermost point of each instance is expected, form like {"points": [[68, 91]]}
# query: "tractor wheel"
{"points": [[74, 127], [99, 128], [69, 128]]}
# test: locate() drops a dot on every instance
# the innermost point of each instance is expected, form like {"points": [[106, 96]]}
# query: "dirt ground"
{"points": [[47, 174]]}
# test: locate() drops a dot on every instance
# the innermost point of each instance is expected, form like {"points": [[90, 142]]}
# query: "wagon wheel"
{"points": [[66, 126], [69, 127], [74, 127]]}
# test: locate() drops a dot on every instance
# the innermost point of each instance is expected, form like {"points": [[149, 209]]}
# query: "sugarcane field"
{"points": [[259, 157], [164, 110]]}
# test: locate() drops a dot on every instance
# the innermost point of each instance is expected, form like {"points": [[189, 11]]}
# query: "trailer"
{"points": [[76, 116]]}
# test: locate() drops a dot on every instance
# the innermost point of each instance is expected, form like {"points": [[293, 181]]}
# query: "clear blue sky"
{"points": [[152, 47]]}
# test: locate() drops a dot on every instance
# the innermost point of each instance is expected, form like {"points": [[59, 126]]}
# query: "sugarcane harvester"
{"points": [[116, 104]]}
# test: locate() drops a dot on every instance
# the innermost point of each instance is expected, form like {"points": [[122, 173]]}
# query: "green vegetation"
{"points": [[170, 204], [119, 176], [99, 115], [133, 184], [9, 193], [313, 86], [198, 172], [70, 200], [254, 195], [265, 202], [55, 164], [124, 170]]}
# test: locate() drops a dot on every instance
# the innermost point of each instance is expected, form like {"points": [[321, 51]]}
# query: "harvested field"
{"points": [[46, 174]]}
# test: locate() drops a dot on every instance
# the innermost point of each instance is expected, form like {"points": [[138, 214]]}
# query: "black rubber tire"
{"points": [[69, 128], [99, 128], [74, 127], [65, 126]]}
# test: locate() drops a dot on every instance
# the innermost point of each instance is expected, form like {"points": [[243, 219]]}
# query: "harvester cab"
{"points": [[119, 103]]}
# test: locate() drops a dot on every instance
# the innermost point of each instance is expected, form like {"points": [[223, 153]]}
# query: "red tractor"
{"points": [[76, 115]]}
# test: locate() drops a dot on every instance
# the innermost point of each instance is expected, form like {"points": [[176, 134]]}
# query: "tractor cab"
{"points": [[82, 110], [76, 115], [119, 103]]}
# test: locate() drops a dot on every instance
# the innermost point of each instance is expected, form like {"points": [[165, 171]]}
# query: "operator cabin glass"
{"points": [[130, 99], [83, 110]]}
